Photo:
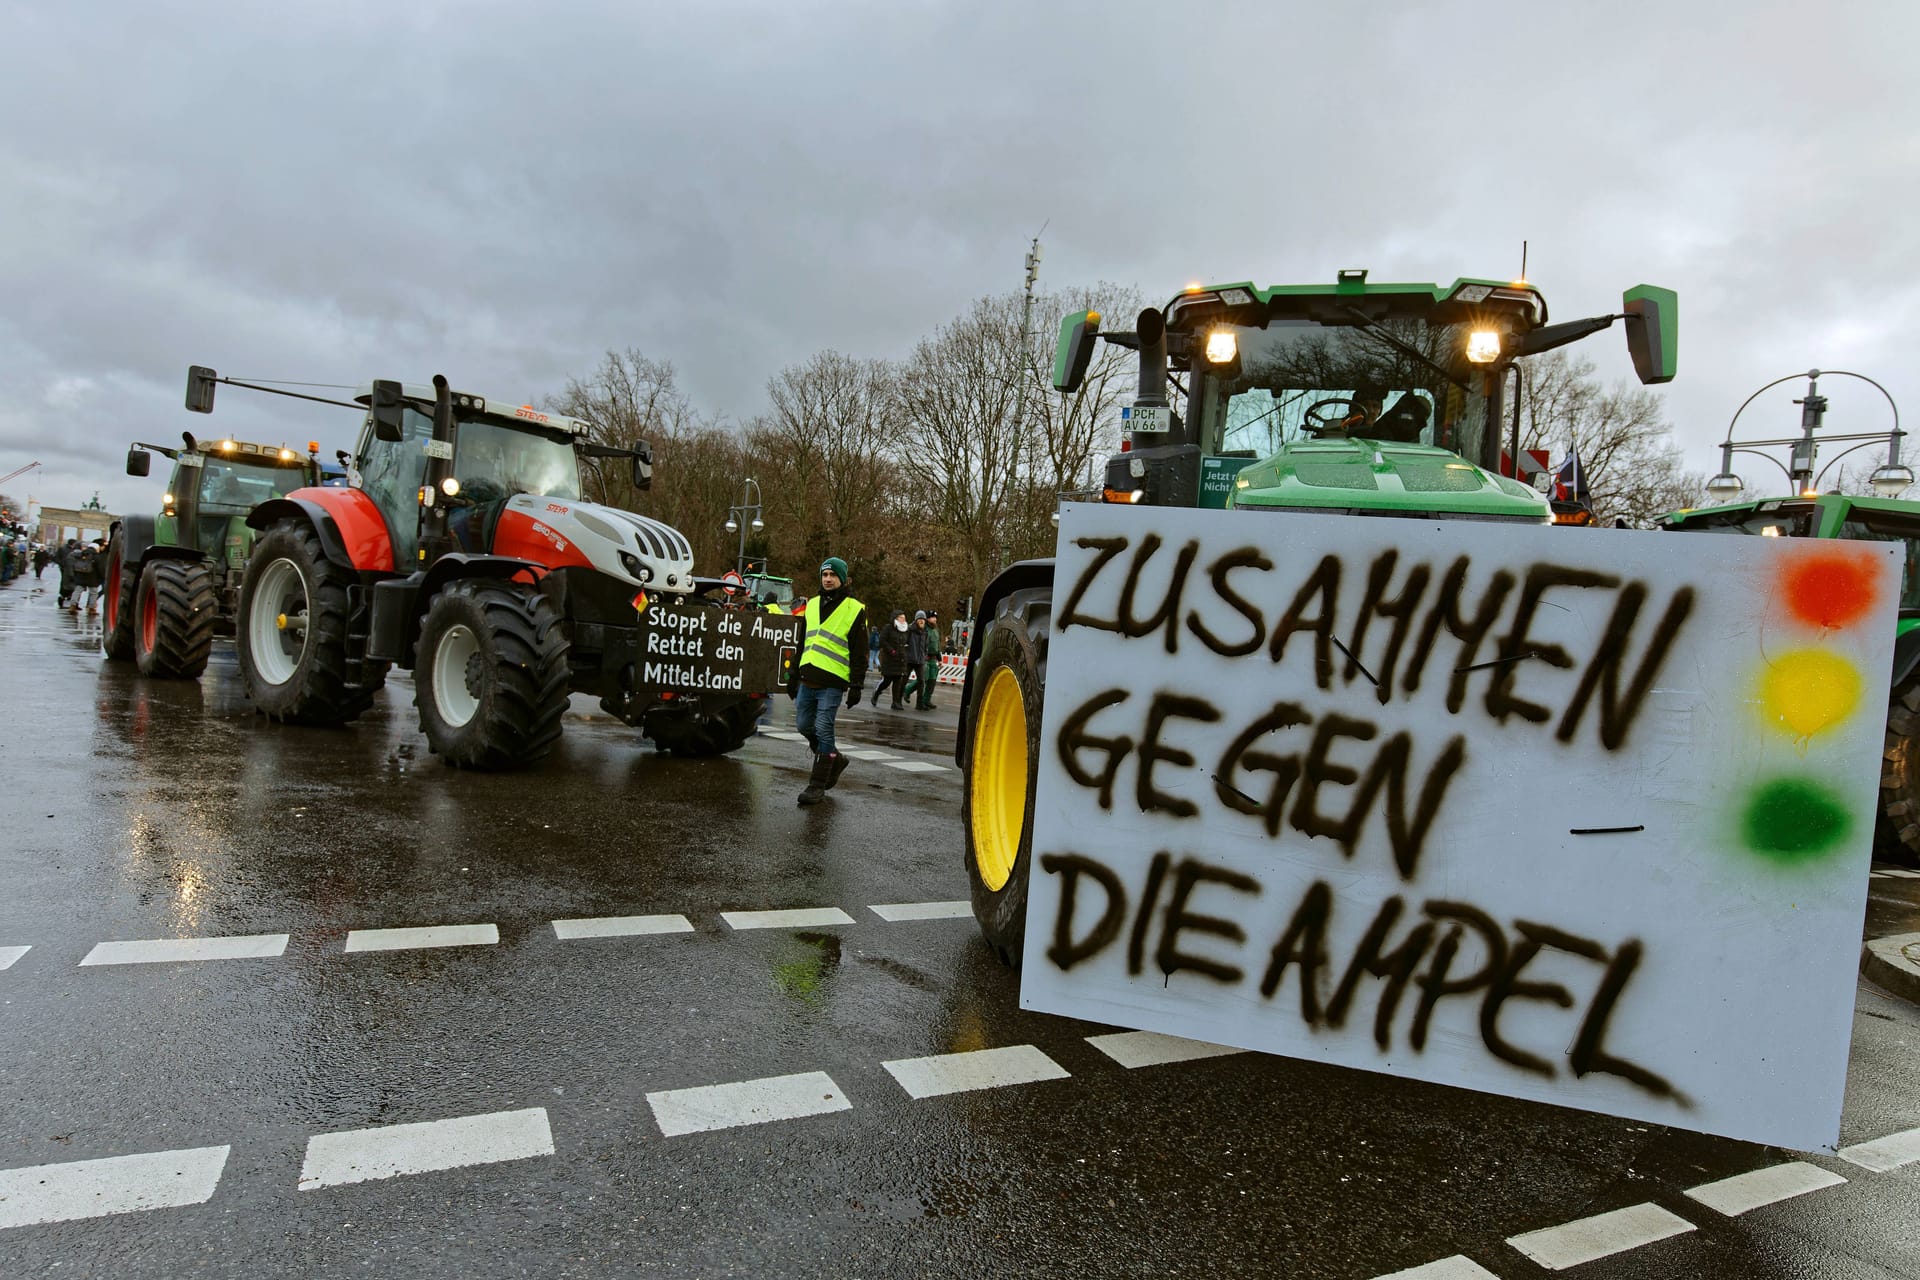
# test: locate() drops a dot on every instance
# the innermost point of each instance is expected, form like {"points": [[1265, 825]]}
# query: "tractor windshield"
{"points": [[493, 460], [1296, 379], [1881, 527], [232, 487]]}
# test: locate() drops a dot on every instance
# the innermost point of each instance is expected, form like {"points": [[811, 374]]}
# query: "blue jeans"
{"points": [[814, 711]]}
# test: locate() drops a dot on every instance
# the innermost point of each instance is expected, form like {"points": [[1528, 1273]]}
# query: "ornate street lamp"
{"points": [[738, 521], [1889, 480]]}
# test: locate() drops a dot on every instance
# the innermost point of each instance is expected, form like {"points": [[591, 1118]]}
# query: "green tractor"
{"points": [[173, 580], [1353, 398], [770, 592], [1834, 515]]}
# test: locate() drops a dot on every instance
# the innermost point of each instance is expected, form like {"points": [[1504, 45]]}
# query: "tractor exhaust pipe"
{"points": [[1152, 334]]}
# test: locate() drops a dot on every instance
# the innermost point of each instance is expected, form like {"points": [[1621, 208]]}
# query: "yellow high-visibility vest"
{"points": [[827, 646]]}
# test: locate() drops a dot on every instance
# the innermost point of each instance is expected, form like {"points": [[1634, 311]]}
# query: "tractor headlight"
{"points": [[1483, 346], [1222, 347], [450, 486], [226, 446], [638, 571], [166, 499], [286, 455]]}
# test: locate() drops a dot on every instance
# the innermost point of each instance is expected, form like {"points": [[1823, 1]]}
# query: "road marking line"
{"points": [[9, 954], [438, 935], [795, 918], [727, 1106], [1454, 1268], [922, 910], [117, 1184], [1736, 1195], [363, 1155], [1149, 1048], [978, 1069], [620, 926], [1899, 872], [1883, 1154], [916, 766], [787, 735], [866, 753], [1583, 1240], [162, 950]]}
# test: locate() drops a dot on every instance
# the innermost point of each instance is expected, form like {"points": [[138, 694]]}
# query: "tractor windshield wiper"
{"points": [[1374, 327]]}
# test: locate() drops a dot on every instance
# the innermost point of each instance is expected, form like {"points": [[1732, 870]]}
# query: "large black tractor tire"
{"points": [[1002, 733], [700, 737], [1897, 833], [174, 608], [491, 678], [116, 629], [291, 632]]}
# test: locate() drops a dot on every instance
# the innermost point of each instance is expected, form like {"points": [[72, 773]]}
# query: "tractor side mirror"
{"points": [[139, 462], [1653, 331], [389, 408], [200, 384], [1078, 332], [642, 465]]}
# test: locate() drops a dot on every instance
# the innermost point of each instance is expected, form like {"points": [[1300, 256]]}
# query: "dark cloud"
{"points": [[501, 192]]}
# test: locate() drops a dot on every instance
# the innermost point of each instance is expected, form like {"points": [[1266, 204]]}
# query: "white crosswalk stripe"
{"points": [[728, 1106], [173, 950], [1743, 1192], [897, 911], [439, 935], [1454, 1268], [795, 918], [1149, 1048], [1604, 1234], [390, 1151], [9, 954], [116, 1184], [620, 926], [977, 1069], [1885, 1154]]}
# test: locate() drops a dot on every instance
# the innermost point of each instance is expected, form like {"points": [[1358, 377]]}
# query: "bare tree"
{"points": [[824, 455], [1633, 467]]}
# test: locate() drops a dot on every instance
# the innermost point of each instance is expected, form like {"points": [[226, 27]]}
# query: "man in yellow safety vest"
{"points": [[833, 664]]}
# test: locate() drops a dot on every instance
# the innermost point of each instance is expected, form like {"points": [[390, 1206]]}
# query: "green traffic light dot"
{"points": [[1794, 820]]}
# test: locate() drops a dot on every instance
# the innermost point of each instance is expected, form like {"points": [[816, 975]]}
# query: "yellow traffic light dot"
{"points": [[1809, 690]]}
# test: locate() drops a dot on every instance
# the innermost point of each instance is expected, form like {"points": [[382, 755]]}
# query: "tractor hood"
{"points": [[623, 544], [1382, 477]]}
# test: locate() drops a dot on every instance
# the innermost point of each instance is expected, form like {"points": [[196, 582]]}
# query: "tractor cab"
{"points": [[1827, 515], [770, 592], [215, 484], [1355, 397]]}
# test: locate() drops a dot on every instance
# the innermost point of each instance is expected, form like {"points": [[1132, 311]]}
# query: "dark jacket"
{"points": [[893, 650], [814, 677], [917, 645]]}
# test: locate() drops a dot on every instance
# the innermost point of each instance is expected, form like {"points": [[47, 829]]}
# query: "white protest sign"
{"points": [[1582, 817]]}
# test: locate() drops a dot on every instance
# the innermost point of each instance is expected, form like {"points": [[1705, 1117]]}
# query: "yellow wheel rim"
{"points": [[999, 778]]}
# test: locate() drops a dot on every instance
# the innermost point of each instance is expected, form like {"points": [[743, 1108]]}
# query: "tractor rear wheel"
{"points": [[1897, 834], [699, 737], [1002, 734], [116, 630], [291, 632], [490, 679], [174, 608]]}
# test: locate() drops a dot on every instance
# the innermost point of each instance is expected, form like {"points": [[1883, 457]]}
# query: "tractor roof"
{"points": [[1336, 302], [468, 403]]}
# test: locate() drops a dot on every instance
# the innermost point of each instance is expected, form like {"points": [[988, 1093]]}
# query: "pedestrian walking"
{"points": [[931, 678], [916, 657], [893, 660], [41, 559], [90, 573], [833, 664], [64, 559]]}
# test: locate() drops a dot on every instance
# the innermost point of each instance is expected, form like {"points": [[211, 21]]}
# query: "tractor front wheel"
{"points": [[174, 609], [116, 630], [1002, 762], [291, 632], [1897, 834], [490, 681]]}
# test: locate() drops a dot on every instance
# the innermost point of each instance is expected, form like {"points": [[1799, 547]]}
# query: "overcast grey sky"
{"points": [[500, 192]]}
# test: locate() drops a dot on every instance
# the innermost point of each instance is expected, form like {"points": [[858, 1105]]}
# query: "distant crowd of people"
{"points": [[907, 655], [83, 572]]}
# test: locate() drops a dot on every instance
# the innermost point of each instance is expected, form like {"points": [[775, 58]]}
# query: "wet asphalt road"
{"points": [[146, 810]]}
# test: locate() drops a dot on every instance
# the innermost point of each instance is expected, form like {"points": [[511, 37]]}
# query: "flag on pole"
{"points": [[1570, 482]]}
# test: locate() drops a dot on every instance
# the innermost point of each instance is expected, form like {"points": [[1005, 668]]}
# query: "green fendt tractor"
{"points": [[1834, 515], [1352, 398], [173, 580]]}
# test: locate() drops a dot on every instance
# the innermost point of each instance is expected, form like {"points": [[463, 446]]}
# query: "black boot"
{"points": [[839, 767], [818, 781]]}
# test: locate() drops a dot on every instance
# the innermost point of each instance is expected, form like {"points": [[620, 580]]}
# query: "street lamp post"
{"points": [[1888, 480], [738, 522]]}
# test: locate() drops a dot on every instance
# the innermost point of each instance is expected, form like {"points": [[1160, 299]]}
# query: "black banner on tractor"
{"points": [[704, 647]]}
